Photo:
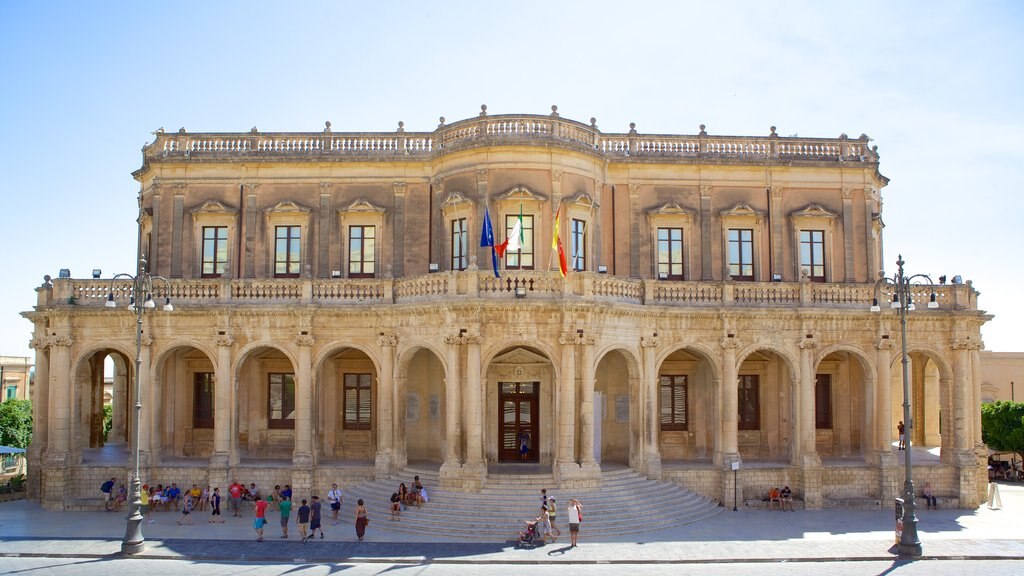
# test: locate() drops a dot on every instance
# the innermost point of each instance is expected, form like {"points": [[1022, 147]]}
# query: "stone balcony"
{"points": [[503, 130], [525, 286]]}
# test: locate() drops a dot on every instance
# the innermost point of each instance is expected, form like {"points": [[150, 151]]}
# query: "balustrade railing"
{"points": [[520, 129], [530, 284]]}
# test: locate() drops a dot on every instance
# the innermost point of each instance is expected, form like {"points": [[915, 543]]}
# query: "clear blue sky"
{"points": [[939, 86]]}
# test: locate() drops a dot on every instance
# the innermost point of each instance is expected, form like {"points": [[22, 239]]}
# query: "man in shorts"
{"points": [[261, 519], [235, 498], [314, 518], [285, 506], [106, 489], [304, 521], [334, 498]]}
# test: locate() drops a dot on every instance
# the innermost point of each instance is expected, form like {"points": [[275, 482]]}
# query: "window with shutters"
{"points": [[281, 400], [357, 401], [674, 404], [459, 244], [748, 403]]}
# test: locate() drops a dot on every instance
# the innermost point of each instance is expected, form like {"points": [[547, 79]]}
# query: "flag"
{"points": [[514, 242], [487, 239], [556, 244]]}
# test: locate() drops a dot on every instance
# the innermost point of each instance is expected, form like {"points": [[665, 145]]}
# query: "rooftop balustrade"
{"points": [[523, 129], [522, 286]]}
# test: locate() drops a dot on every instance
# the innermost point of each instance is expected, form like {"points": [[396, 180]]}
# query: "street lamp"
{"points": [[141, 300], [903, 302]]}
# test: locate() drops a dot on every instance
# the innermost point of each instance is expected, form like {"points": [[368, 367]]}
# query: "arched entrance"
{"points": [[425, 408], [930, 401], [266, 404], [842, 405], [101, 407], [184, 389], [686, 395], [347, 397], [520, 405], [766, 401], [616, 409]]}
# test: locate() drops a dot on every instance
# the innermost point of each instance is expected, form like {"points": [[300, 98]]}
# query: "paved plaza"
{"points": [[747, 535]]}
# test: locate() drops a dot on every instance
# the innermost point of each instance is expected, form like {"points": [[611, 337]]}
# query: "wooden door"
{"points": [[517, 420]]}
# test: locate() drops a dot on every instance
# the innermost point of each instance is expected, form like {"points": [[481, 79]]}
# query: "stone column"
{"points": [[398, 249], [325, 217], [587, 460], [705, 233], [849, 275], [778, 225], [651, 417], [730, 398], [869, 236], [385, 405], [883, 397], [148, 441], [474, 470], [635, 270], [805, 419], [119, 416], [40, 413], [961, 428], [223, 408], [57, 460], [452, 421], [302, 456], [565, 462]]}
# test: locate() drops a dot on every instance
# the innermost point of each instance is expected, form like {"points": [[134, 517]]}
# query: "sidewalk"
{"points": [[743, 536]]}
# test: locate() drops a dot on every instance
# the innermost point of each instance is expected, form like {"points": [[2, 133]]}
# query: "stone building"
{"points": [[336, 318], [15, 375]]}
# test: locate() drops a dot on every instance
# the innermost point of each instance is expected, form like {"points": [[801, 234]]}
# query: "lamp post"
{"points": [[903, 302], [141, 299]]}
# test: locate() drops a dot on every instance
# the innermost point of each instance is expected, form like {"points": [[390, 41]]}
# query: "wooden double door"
{"points": [[518, 423]]}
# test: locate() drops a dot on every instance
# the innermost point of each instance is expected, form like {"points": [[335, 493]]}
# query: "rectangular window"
{"points": [[215, 251], [748, 403], [362, 251], [578, 234], [459, 246], [287, 251], [12, 392], [823, 401], [741, 254], [674, 412], [520, 259], [281, 400], [357, 401], [202, 400], [670, 254], [812, 254]]}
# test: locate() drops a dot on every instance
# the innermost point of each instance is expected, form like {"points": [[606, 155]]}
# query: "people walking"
{"points": [[235, 498], [551, 517], [285, 507], [361, 519], [215, 507], [903, 436], [304, 521], [575, 519], [315, 519], [186, 509], [144, 500], [334, 499], [261, 519]]}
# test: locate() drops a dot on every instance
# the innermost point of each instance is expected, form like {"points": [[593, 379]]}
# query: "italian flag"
{"points": [[556, 244], [514, 241]]}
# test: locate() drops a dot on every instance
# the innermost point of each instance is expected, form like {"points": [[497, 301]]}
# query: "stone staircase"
{"points": [[626, 504]]}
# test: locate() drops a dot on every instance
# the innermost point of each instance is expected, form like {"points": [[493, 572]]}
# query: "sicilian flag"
{"points": [[487, 239], [556, 243], [514, 242]]}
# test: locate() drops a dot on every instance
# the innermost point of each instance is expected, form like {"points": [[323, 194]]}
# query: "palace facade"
{"points": [[336, 318]]}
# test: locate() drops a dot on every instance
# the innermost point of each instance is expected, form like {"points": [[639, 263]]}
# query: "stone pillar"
{"points": [[474, 470], [651, 420], [869, 236], [119, 415], [705, 233], [565, 462], [635, 219], [57, 460], [730, 397], [483, 255], [966, 459], [587, 461], [40, 413], [325, 217], [810, 462], [302, 456], [778, 225], [849, 275], [223, 409], [385, 405], [961, 430], [452, 420], [883, 399], [177, 230], [148, 441], [398, 248]]}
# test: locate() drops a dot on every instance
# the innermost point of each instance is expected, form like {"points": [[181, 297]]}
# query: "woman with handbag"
{"points": [[361, 520]]}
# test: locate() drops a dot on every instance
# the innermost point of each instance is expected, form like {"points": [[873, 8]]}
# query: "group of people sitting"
{"points": [[781, 497], [405, 497]]}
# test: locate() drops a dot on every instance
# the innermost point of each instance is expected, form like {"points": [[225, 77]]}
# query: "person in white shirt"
{"points": [[334, 498]]}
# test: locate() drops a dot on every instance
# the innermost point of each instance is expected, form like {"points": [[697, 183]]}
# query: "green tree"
{"points": [[1002, 426], [16, 423], [108, 420]]}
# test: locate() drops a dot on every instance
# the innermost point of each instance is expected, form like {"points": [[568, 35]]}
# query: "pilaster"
{"points": [[385, 405], [651, 420]]}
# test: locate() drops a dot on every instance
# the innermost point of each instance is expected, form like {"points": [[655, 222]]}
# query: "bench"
{"points": [[83, 504], [798, 504]]}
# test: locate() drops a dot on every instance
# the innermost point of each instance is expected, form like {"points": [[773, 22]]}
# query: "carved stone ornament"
{"points": [[213, 207], [808, 343], [473, 339], [387, 340], [304, 340], [884, 344], [361, 205], [481, 176], [224, 340], [649, 341], [39, 343], [287, 207], [398, 188], [325, 187], [634, 189], [732, 343], [966, 343], [456, 340], [847, 193], [705, 190], [454, 200], [61, 340], [147, 340], [556, 175], [251, 187]]}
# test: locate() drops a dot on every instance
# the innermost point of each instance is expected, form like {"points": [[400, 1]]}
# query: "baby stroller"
{"points": [[528, 538]]}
